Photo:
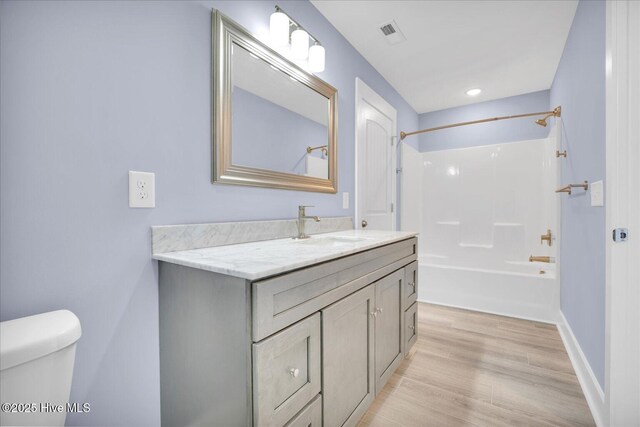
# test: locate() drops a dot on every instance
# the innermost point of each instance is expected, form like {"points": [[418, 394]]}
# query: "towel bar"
{"points": [[321, 147], [567, 188]]}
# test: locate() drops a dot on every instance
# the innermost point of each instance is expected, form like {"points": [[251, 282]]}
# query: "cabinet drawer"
{"points": [[310, 416], [282, 300], [410, 327], [410, 287], [286, 372]]}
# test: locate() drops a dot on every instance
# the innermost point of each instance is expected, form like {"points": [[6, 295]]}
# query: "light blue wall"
{"points": [[268, 136], [484, 133], [89, 91], [579, 86]]}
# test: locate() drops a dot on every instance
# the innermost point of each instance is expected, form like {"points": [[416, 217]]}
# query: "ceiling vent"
{"points": [[392, 33]]}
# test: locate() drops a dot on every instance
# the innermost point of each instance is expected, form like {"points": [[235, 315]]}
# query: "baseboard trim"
{"points": [[590, 386]]}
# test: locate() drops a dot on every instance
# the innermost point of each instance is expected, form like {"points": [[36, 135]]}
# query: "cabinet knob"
{"points": [[412, 284], [378, 309], [364, 223], [411, 327], [294, 372], [374, 313]]}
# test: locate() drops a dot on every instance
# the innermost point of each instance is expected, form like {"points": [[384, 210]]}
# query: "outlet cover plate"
{"points": [[142, 189], [345, 200], [597, 193]]}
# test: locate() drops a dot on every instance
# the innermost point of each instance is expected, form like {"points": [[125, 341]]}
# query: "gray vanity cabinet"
{"points": [[311, 346], [348, 381]]}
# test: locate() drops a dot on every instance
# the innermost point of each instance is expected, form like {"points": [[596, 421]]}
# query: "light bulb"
{"points": [[316, 58], [300, 44], [279, 29]]}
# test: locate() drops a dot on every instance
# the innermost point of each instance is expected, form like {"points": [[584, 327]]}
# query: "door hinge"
{"points": [[620, 235], [391, 207]]}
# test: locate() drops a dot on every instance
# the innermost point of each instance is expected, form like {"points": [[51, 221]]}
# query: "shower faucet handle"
{"points": [[546, 237]]}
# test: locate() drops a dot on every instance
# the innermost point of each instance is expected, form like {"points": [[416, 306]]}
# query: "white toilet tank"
{"points": [[36, 365]]}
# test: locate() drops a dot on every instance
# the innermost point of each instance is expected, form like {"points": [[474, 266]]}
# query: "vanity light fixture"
{"points": [[279, 28], [300, 44], [474, 92], [284, 30], [316, 58]]}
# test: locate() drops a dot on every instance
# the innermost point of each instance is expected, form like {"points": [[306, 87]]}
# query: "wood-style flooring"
{"points": [[476, 369]]}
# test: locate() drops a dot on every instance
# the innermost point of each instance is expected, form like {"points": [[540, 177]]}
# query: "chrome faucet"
{"points": [[301, 217]]}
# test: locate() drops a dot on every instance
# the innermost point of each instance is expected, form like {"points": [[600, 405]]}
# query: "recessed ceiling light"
{"points": [[474, 92]]}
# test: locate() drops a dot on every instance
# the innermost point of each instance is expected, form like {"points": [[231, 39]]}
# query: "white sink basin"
{"points": [[331, 241]]}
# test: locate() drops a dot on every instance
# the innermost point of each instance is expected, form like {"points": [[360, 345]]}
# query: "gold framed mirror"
{"points": [[274, 124]]}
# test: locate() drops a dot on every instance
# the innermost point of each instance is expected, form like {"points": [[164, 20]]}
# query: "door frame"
{"points": [[622, 348], [365, 94]]}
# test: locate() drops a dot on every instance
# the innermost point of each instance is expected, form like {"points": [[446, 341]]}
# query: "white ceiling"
{"points": [[506, 48]]}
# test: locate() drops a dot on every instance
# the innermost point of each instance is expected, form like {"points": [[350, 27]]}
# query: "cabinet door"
{"points": [[348, 382], [388, 320], [410, 287]]}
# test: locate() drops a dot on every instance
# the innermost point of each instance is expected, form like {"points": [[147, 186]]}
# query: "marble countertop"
{"points": [[257, 260]]}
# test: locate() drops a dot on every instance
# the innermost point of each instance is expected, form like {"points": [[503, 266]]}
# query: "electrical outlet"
{"points": [[142, 189], [345, 200]]}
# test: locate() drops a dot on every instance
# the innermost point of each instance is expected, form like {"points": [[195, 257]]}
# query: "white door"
{"points": [[375, 160], [622, 375]]}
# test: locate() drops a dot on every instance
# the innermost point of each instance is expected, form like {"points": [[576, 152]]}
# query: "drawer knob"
{"points": [[378, 309], [374, 313], [411, 327], [294, 372], [412, 284]]}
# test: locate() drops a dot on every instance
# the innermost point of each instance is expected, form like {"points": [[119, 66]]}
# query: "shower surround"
{"points": [[483, 212]]}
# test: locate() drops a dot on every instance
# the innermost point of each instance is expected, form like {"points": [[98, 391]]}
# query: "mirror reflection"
{"points": [[279, 123]]}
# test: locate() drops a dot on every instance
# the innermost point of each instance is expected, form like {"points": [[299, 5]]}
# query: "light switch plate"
{"points": [[142, 189], [597, 193], [345, 200]]}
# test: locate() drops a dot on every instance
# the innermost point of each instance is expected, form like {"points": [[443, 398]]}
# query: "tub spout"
{"points": [[540, 258]]}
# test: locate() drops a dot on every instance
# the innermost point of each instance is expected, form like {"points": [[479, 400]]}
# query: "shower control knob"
{"points": [[294, 372], [364, 224]]}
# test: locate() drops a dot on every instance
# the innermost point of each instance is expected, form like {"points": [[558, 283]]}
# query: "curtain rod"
{"points": [[542, 122]]}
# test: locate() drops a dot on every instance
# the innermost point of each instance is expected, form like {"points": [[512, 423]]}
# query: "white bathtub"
{"points": [[511, 288]]}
